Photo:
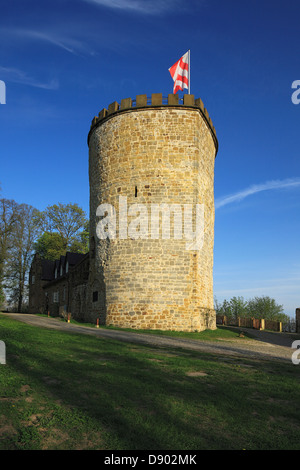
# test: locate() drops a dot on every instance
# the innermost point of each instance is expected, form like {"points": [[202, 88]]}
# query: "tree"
{"points": [[217, 306], [223, 309], [8, 218], [238, 307], [2, 298], [21, 228], [27, 228], [50, 246], [66, 219], [226, 307], [267, 308], [80, 243], [258, 307]]}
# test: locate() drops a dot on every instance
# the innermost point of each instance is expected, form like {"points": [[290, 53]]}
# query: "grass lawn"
{"points": [[62, 390], [220, 333]]}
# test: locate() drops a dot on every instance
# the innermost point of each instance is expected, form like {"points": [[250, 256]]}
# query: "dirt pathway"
{"points": [[262, 345]]}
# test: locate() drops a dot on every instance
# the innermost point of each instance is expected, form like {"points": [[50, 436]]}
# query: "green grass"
{"points": [[63, 390], [221, 333]]}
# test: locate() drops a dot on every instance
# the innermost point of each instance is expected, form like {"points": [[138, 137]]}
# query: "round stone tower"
{"points": [[151, 171]]}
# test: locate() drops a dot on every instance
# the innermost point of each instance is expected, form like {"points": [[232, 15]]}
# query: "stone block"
{"points": [[199, 103], [126, 103], [141, 100], [173, 99], [103, 113], [156, 99], [113, 107], [189, 100]]}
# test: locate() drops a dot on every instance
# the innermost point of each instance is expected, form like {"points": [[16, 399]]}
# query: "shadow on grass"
{"points": [[137, 402], [136, 405]]}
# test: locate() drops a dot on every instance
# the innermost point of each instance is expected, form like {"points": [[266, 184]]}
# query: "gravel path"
{"points": [[262, 345]]}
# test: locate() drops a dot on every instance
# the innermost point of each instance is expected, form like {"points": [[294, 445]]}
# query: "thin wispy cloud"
{"points": [[289, 183], [19, 76], [55, 38], [56, 41], [153, 7]]}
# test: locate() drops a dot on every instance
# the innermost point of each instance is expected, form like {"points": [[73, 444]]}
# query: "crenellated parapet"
{"points": [[156, 100]]}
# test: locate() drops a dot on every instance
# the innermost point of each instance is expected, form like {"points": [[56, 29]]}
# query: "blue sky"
{"points": [[64, 60]]}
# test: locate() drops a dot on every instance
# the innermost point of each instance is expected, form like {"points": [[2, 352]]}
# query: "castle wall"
{"points": [[56, 297], [152, 155], [37, 302], [77, 298], [37, 299]]}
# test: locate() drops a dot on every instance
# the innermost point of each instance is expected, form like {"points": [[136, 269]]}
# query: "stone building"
{"points": [[59, 287], [41, 272], [151, 154], [151, 163]]}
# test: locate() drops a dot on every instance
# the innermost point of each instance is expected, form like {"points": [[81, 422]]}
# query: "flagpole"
{"points": [[189, 89]]}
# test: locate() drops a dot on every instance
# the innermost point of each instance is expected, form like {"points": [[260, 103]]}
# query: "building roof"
{"points": [[73, 258], [47, 269], [51, 269]]}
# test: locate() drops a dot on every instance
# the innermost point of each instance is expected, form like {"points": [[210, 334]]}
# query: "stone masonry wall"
{"points": [[152, 155], [37, 303]]}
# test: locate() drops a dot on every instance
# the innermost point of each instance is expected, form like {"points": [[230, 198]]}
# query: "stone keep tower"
{"points": [[151, 152]]}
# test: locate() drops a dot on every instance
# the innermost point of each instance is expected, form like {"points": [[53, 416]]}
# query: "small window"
{"points": [[33, 279], [61, 270], [67, 266], [95, 296], [55, 273], [135, 192]]}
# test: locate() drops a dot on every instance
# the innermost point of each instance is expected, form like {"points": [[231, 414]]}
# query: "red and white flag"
{"points": [[180, 72]]}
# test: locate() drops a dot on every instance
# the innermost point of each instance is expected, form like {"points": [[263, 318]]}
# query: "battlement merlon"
{"points": [[156, 100]]}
